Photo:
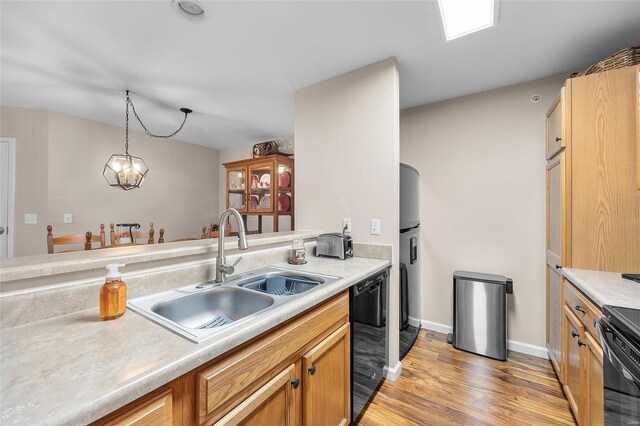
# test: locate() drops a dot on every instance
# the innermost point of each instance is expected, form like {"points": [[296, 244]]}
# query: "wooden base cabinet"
{"points": [[583, 381], [299, 373], [327, 382]]}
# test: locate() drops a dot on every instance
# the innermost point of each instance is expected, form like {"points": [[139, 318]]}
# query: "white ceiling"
{"points": [[239, 68]]}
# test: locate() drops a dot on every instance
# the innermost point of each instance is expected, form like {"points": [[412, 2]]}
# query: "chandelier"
{"points": [[126, 171]]}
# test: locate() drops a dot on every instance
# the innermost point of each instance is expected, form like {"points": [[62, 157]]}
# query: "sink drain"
{"points": [[217, 321]]}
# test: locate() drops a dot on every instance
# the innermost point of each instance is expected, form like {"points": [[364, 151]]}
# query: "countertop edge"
{"points": [[596, 284]]}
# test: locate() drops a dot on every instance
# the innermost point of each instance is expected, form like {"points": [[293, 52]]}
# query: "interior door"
{"points": [[326, 391], [555, 223], [5, 198]]}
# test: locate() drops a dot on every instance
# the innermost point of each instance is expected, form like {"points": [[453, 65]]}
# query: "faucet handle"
{"points": [[236, 262]]}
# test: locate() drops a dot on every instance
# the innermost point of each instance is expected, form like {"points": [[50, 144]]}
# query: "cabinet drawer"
{"points": [[224, 383], [154, 410], [582, 307]]}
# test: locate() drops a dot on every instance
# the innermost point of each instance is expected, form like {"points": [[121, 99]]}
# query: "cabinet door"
{"points": [[261, 181], [594, 391], [555, 126], [326, 391], [605, 200], [573, 360], [236, 188], [274, 403], [156, 410], [555, 250]]}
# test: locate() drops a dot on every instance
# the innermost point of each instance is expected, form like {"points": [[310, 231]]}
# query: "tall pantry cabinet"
{"points": [[593, 217]]}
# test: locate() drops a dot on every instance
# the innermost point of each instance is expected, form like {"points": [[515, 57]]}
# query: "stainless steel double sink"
{"points": [[199, 312]]}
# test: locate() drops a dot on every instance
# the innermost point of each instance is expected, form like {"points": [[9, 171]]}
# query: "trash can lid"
{"points": [[485, 278]]}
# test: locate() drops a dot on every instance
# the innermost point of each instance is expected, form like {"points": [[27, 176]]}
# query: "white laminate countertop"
{"points": [[605, 288], [75, 369]]}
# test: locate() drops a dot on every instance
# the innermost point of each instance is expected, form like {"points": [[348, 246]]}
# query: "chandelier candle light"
{"points": [[126, 171]]}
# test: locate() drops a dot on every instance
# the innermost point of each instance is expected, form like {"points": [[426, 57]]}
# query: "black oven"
{"points": [[619, 334]]}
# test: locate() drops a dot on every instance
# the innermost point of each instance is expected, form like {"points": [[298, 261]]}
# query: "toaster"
{"points": [[335, 245]]}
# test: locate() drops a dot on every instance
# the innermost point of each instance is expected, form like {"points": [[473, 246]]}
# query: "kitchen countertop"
{"points": [[24, 267], [605, 288], [75, 369]]}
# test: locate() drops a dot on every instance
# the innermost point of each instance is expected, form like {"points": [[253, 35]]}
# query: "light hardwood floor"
{"points": [[444, 386]]}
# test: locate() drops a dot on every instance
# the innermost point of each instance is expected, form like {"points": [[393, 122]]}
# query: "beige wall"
{"points": [[59, 163], [347, 160], [481, 160], [243, 152]]}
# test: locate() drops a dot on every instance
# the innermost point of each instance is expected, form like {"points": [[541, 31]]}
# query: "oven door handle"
{"points": [[615, 355]]}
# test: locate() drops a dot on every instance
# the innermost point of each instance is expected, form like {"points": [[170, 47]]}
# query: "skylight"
{"points": [[463, 17]]}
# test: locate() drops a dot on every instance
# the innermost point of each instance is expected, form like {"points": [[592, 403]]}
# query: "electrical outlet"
{"points": [[346, 224], [30, 219], [68, 218], [375, 226]]}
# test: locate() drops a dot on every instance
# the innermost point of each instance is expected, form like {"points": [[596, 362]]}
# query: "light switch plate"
{"points": [[375, 226], [30, 219], [346, 224], [68, 218]]}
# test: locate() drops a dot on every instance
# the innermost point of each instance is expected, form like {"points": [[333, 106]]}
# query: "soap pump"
{"points": [[113, 294]]}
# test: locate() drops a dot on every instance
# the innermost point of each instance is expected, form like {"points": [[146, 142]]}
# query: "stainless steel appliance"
{"points": [[409, 279], [480, 313], [368, 338], [619, 332], [410, 238], [335, 245]]}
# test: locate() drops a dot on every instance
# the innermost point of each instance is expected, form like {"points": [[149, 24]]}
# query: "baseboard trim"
{"points": [[393, 373], [416, 322], [512, 345]]}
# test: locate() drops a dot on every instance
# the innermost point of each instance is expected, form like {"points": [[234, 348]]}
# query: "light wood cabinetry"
{"points": [[274, 403], [594, 389], [583, 381], [605, 213], [262, 186], [592, 145], [573, 359], [326, 392], [268, 380]]}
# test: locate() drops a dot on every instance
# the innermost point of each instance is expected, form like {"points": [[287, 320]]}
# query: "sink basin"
{"points": [[282, 284], [200, 312], [212, 308]]}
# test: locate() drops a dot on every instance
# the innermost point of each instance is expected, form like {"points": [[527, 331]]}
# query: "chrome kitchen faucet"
{"points": [[221, 268]]}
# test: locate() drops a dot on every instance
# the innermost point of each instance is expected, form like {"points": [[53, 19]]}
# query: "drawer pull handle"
{"points": [[581, 343], [558, 266], [295, 383], [558, 138], [579, 309], [312, 370], [574, 334]]}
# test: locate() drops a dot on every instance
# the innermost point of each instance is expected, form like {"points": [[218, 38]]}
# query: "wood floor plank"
{"points": [[441, 385]]}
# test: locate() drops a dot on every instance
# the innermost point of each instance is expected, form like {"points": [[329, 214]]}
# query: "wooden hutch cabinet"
{"points": [[262, 186]]}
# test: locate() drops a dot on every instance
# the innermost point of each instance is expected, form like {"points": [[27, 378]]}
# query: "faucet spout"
{"points": [[221, 268]]}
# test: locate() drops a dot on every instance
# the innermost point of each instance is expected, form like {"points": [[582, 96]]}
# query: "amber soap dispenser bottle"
{"points": [[113, 294]]}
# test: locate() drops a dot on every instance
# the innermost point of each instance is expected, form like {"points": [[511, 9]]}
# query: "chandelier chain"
{"points": [[133, 108]]}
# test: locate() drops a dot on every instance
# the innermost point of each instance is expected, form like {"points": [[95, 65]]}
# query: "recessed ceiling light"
{"points": [[190, 9], [463, 17]]}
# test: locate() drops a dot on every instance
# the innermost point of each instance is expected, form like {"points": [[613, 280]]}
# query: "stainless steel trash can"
{"points": [[480, 313]]}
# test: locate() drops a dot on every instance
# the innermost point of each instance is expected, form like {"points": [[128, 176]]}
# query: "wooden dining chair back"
{"points": [[87, 239], [138, 236], [209, 232]]}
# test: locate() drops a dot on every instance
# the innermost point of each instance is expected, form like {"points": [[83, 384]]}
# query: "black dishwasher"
{"points": [[367, 301]]}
